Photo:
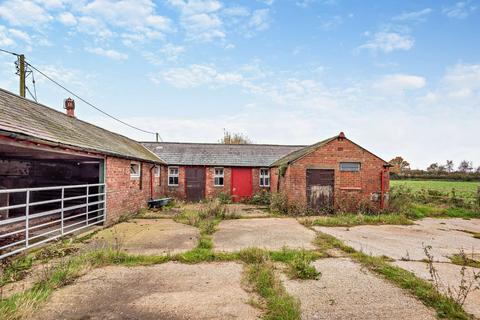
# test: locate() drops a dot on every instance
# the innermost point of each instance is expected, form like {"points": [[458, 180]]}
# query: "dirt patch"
{"points": [[168, 291], [149, 236], [346, 291], [406, 242], [268, 233], [450, 276]]}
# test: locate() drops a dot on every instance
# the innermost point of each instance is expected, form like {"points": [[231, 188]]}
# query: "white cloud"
{"points": [[461, 10], [260, 20], [172, 52], [198, 75], [108, 53], [387, 42], [200, 19], [5, 39], [67, 18], [24, 13], [418, 16], [399, 83]]}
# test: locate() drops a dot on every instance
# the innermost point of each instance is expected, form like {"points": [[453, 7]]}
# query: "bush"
{"points": [[224, 198], [279, 203], [261, 198]]}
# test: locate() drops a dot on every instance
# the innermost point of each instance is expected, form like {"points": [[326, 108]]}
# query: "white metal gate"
{"points": [[68, 209]]}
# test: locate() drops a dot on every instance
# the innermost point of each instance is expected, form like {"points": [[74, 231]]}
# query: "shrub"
{"points": [[224, 198], [279, 203], [261, 198]]}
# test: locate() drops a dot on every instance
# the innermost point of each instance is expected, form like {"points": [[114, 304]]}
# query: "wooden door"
{"points": [[241, 183], [195, 183], [320, 183]]}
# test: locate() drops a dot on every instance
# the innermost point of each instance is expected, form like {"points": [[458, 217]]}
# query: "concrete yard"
{"points": [[446, 236], [150, 236], [450, 277], [268, 233], [346, 291], [169, 291]]}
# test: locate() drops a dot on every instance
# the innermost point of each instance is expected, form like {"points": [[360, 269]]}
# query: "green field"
{"points": [[463, 189]]}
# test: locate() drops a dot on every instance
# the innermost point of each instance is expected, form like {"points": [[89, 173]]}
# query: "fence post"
{"points": [[27, 212], [61, 210], [88, 192]]}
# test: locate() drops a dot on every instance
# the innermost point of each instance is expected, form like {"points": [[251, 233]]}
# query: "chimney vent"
{"points": [[70, 107], [341, 136]]}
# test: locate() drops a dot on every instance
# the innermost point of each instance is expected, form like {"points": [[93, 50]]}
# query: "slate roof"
{"points": [[36, 122], [216, 154]]}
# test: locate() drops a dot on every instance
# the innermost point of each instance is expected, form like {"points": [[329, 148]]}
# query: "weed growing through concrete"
{"points": [[423, 290], [350, 220], [466, 286]]}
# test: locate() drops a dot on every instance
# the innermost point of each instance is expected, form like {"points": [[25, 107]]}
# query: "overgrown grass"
{"points": [[422, 289], [279, 305], [350, 220]]}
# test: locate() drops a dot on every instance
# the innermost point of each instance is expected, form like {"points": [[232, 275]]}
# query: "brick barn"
{"points": [[331, 171], [59, 174], [198, 170], [315, 175]]}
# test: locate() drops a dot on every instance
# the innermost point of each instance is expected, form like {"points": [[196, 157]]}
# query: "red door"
{"points": [[241, 183]]}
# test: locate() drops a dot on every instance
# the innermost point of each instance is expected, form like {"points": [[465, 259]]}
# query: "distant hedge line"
{"points": [[423, 175]]}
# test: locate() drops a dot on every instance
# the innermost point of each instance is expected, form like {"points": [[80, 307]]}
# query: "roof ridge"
{"points": [[226, 144]]}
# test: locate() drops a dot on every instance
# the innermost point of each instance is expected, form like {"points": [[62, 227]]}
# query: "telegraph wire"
{"points": [[34, 96]]}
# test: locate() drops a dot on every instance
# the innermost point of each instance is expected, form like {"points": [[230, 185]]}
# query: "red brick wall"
{"points": [[360, 184], [211, 190], [177, 192], [124, 195]]}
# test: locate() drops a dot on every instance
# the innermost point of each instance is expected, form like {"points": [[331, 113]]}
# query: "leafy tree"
{"points": [[399, 165], [478, 170], [234, 138], [465, 166], [449, 166]]}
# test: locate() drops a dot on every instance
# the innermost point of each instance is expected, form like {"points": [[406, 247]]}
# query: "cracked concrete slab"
{"points": [[346, 291], [406, 242], [169, 291], [267, 233], [450, 277], [149, 236]]}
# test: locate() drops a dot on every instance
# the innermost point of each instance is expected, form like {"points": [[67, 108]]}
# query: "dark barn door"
{"points": [[195, 183], [320, 189]]}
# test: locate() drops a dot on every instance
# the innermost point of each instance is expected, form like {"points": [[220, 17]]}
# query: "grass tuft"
{"points": [[350, 220]]}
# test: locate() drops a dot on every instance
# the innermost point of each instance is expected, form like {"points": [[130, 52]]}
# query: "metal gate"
{"points": [[320, 184], [43, 214]]}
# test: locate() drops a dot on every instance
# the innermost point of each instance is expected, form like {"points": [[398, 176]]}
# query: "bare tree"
{"points": [[234, 138], [449, 166], [433, 167], [465, 166]]}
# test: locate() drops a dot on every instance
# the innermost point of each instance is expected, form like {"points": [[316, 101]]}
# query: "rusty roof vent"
{"points": [[69, 105]]}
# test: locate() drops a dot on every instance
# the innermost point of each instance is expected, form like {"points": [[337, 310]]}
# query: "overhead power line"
{"points": [[158, 138]]}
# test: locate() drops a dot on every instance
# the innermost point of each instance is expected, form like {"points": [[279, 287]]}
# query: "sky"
{"points": [[398, 77]]}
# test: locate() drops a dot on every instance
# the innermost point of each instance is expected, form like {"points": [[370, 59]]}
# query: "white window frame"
{"points": [[350, 162], [173, 175], [157, 170], [135, 174], [264, 176], [215, 176]]}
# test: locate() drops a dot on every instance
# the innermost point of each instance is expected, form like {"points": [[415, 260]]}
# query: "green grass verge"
{"points": [[422, 289], [350, 220], [466, 189], [419, 211]]}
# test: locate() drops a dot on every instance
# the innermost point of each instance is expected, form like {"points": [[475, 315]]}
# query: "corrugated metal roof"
{"points": [[21, 116], [216, 154]]}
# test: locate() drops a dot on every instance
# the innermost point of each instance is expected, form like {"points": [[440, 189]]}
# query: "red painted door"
{"points": [[241, 183]]}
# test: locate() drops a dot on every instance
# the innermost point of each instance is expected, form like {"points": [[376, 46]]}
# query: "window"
{"points": [[157, 171], [350, 166], [264, 178], [173, 176], [218, 177], [134, 169]]}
